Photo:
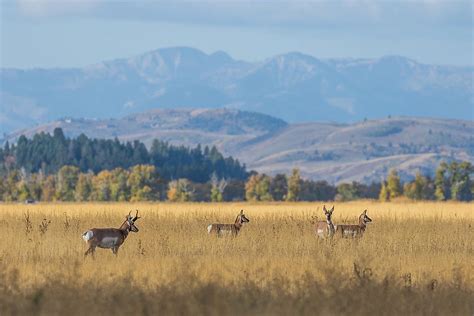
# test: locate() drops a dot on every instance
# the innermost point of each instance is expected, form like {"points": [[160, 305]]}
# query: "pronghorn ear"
{"points": [[241, 212], [332, 209], [324, 208]]}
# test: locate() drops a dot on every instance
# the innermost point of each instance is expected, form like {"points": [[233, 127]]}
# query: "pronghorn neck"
{"points": [[330, 225], [331, 228], [362, 224], [125, 228], [238, 224]]}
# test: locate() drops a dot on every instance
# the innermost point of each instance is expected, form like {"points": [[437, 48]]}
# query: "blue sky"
{"points": [[70, 33]]}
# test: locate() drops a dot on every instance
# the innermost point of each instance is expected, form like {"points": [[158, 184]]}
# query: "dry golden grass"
{"points": [[414, 258]]}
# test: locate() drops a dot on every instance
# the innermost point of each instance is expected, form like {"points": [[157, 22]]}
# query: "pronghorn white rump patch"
{"points": [[87, 235], [209, 228]]}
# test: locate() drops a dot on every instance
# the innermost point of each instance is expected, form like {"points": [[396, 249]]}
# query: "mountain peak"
{"points": [[221, 56]]}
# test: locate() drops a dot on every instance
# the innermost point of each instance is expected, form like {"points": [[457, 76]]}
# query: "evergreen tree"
{"points": [[279, 187]]}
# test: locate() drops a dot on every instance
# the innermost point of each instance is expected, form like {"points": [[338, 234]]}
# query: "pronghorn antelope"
{"points": [[350, 231], [229, 229], [325, 228], [111, 238]]}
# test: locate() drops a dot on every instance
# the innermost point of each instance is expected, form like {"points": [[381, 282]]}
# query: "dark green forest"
{"points": [[48, 153]]}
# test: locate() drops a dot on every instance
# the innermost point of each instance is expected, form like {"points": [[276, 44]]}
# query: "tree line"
{"points": [[55, 168], [144, 183], [47, 154]]}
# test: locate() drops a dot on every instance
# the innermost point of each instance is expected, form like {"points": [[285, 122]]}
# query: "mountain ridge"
{"points": [[293, 86]]}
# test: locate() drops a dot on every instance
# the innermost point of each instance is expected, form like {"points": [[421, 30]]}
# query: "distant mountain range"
{"points": [[363, 151], [294, 87]]}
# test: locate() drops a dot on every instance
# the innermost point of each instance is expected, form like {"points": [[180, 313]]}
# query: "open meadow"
{"points": [[414, 258]]}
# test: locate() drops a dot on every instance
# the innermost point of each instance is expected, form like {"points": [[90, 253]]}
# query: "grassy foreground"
{"points": [[415, 258]]}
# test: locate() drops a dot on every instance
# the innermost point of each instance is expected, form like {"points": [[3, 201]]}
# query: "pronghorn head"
{"points": [[131, 222], [241, 218], [328, 213], [364, 218]]}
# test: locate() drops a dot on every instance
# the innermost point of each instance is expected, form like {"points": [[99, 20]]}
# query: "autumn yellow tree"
{"points": [[180, 191], [83, 187], [101, 186], [257, 188], [294, 185], [143, 181]]}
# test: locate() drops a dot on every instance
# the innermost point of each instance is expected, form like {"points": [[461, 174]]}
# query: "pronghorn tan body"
{"points": [[111, 238], [351, 231], [229, 229], [325, 229]]}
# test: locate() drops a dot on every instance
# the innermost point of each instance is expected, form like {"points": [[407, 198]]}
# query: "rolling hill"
{"points": [[363, 151], [293, 86]]}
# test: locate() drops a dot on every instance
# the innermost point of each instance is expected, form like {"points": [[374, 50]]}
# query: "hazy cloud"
{"points": [[272, 13], [47, 8]]}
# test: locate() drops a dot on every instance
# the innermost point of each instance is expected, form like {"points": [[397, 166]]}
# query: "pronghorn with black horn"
{"points": [[351, 231], [111, 238], [326, 228], [229, 229]]}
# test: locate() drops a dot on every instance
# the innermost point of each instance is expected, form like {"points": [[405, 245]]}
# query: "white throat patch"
{"points": [[87, 235]]}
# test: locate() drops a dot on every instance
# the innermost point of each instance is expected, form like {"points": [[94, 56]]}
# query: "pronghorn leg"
{"points": [[90, 250]]}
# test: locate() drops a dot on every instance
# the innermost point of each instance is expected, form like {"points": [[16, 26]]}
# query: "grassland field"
{"points": [[414, 258]]}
